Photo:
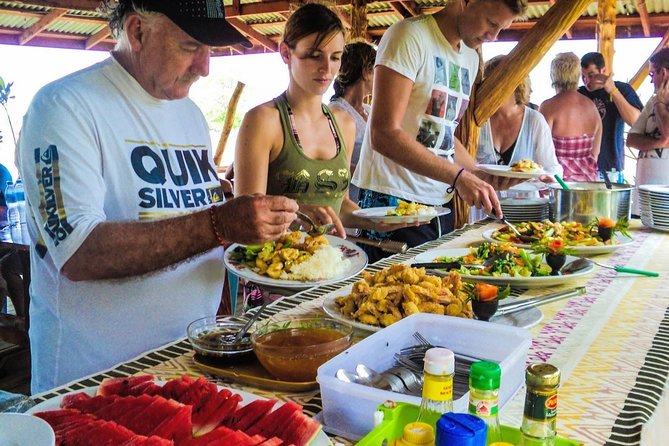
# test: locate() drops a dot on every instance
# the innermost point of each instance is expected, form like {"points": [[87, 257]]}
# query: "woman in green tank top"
{"points": [[294, 145]]}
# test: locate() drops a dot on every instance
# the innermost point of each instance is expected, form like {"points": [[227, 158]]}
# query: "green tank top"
{"points": [[308, 181]]}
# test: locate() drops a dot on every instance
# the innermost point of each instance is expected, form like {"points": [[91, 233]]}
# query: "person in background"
{"points": [[127, 221], [5, 177], [294, 145], [515, 132], [423, 77], [650, 133], [352, 85], [574, 122], [617, 104]]}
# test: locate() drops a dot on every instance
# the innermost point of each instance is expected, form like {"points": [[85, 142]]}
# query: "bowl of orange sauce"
{"points": [[293, 350]]}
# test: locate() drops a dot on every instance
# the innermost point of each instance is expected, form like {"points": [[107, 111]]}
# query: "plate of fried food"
{"points": [[383, 298], [296, 261], [404, 212], [525, 168], [583, 240], [502, 264]]}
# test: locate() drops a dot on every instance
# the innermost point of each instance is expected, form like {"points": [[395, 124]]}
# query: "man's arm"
{"points": [[124, 249], [389, 139], [629, 112]]}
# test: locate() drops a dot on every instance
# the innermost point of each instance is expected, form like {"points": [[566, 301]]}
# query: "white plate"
{"points": [[522, 282], [20, 429], [381, 215], [54, 404], [523, 319], [355, 255], [505, 171], [578, 250]]}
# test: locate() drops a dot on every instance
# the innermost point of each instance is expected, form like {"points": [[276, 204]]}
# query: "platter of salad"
{"points": [[502, 264], [600, 237], [404, 212]]}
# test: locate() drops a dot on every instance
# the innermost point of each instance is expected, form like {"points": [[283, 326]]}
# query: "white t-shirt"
{"points": [[534, 142], [443, 78], [652, 166], [96, 147]]}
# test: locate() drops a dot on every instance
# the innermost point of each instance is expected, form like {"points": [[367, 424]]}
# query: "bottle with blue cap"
{"points": [[461, 429], [437, 396], [484, 380]]}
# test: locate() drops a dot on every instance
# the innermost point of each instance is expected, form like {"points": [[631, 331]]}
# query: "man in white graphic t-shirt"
{"points": [[409, 152], [127, 218]]}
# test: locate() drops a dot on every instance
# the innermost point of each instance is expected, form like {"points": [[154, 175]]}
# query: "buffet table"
{"points": [[611, 344]]}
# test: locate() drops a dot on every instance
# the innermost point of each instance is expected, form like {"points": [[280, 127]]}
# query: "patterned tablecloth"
{"points": [[611, 344]]}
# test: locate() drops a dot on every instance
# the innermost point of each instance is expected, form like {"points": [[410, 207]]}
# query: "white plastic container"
{"points": [[349, 408]]}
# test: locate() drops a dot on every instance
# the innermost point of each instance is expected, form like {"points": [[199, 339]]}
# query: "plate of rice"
{"points": [[303, 263]]}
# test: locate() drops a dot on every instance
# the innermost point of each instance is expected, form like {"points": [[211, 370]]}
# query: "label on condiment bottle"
{"points": [[438, 389], [483, 407], [541, 405]]}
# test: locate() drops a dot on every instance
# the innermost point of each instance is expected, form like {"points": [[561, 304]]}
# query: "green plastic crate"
{"points": [[396, 418]]}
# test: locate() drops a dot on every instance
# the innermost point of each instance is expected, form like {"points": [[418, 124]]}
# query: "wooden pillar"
{"points": [[358, 20], [606, 30], [229, 120]]}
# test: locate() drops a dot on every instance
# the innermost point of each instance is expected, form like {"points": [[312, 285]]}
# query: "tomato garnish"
{"points": [[485, 292]]}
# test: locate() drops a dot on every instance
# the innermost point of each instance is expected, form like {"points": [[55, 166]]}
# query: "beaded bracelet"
{"points": [[212, 217], [612, 93], [452, 188]]}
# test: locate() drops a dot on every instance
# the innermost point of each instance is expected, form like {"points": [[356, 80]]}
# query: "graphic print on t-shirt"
{"points": [[450, 110], [172, 178], [428, 133], [463, 108], [454, 76], [47, 169], [437, 105], [466, 84], [439, 71], [447, 146]]}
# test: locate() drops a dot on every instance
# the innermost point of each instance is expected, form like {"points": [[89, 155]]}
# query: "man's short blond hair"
{"points": [[565, 71]]}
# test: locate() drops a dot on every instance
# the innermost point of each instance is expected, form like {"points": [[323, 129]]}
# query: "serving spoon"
{"points": [[315, 229]]}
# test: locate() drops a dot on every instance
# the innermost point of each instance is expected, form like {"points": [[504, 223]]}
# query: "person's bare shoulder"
{"points": [[345, 121]]}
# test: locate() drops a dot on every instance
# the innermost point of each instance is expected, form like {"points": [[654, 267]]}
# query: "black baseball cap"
{"points": [[203, 20]]}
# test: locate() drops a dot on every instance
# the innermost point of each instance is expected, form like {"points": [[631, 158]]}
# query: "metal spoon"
{"points": [[240, 335], [315, 229]]}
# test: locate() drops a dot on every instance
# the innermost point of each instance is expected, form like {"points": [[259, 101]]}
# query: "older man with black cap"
{"points": [[127, 220]]}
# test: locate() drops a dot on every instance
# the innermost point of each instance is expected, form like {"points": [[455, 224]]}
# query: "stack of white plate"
{"points": [[525, 209], [654, 204]]}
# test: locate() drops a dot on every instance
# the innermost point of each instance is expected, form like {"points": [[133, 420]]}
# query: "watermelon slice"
{"points": [[120, 386], [216, 410], [302, 431], [204, 440], [246, 416], [274, 420], [174, 388], [274, 441], [179, 426], [145, 388]]}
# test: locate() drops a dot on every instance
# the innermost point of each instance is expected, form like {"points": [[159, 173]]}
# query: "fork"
{"points": [[315, 229]]}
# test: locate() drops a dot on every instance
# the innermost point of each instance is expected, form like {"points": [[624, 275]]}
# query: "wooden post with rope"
{"points": [[227, 125]]}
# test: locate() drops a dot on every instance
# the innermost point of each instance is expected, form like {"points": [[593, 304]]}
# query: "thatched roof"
{"points": [[77, 24]]}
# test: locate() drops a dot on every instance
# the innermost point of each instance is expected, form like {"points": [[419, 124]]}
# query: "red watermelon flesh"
{"points": [[145, 388], [174, 388], [204, 440], [246, 416], [302, 431], [73, 399], [178, 427], [140, 404], [120, 407], [216, 410], [120, 386], [274, 420], [197, 391], [286, 428], [204, 411], [153, 415], [88, 405], [274, 441]]}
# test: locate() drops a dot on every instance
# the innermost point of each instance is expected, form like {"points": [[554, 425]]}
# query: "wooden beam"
{"points": [[567, 33], [81, 5], [641, 74], [400, 9], [248, 30], [411, 8], [606, 30], [359, 20], [98, 37], [504, 79], [643, 15], [41, 25]]}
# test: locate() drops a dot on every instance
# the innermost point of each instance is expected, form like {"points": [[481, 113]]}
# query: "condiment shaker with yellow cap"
{"points": [[416, 434]]}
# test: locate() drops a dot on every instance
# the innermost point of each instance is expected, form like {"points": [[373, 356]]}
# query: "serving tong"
{"points": [[314, 228]]}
